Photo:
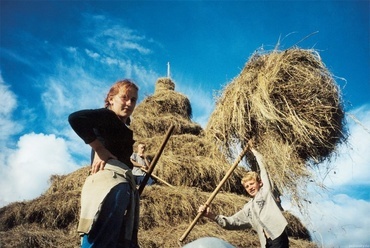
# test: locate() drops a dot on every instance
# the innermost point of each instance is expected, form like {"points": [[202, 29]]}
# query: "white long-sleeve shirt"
{"points": [[261, 212]]}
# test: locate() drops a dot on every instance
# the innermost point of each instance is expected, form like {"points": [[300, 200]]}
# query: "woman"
{"points": [[109, 199]]}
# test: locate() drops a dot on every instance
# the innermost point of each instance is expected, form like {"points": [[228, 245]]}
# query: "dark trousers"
{"points": [[139, 179], [106, 231], [280, 242]]}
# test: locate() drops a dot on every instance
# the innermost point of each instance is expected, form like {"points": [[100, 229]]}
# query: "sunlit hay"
{"points": [[57, 208], [169, 237], [201, 172], [147, 125], [163, 84], [183, 144], [190, 161], [31, 235], [50, 211], [299, 243], [163, 206], [167, 213], [59, 216], [167, 102], [281, 98], [156, 113], [62, 183], [12, 215]]}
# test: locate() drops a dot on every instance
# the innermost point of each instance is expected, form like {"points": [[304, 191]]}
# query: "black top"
{"points": [[104, 124]]}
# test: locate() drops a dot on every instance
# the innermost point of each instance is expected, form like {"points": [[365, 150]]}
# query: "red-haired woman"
{"points": [[109, 199]]}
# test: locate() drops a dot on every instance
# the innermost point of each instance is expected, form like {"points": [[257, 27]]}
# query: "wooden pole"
{"points": [[155, 160], [158, 178], [213, 195]]}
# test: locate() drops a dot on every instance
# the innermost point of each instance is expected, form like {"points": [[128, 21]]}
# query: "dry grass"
{"points": [[156, 113], [191, 162], [290, 104], [165, 214]]}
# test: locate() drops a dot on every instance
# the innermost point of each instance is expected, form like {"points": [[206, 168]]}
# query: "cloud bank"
{"points": [[338, 216]]}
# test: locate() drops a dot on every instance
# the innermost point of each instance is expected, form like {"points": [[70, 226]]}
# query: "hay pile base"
{"points": [[165, 214], [290, 104]]}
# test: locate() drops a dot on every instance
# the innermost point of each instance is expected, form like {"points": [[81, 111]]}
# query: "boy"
{"points": [[140, 162], [261, 212]]}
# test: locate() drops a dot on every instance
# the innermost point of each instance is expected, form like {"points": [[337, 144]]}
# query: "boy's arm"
{"points": [[238, 221], [263, 173]]}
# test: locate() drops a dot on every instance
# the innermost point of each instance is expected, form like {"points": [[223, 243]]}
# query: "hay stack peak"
{"points": [[166, 107], [164, 84]]}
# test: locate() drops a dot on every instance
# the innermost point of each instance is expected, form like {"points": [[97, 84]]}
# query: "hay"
{"points": [[188, 159], [180, 208], [156, 113], [190, 162], [289, 103], [60, 184], [165, 213], [31, 235], [164, 84]]}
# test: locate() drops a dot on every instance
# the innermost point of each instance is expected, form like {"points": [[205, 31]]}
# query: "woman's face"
{"points": [[123, 104]]}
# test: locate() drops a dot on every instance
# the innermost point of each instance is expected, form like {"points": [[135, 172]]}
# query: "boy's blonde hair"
{"points": [[251, 175]]}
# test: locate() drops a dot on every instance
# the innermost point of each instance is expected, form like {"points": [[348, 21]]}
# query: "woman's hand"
{"points": [[102, 155]]}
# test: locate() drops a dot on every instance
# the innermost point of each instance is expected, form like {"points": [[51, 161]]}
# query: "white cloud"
{"points": [[339, 217], [8, 104], [28, 162], [352, 164], [8, 126], [112, 39], [28, 168], [337, 221]]}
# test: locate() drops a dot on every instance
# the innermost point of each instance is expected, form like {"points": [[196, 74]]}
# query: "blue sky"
{"points": [[60, 56]]}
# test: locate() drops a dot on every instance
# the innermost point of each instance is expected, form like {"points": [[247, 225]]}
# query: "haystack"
{"points": [[289, 103], [189, 161], [51, 219], [156, 113]]}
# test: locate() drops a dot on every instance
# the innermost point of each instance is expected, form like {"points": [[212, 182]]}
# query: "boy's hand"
{"points": [[206, 211]]}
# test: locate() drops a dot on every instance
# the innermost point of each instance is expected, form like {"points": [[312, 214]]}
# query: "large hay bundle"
{"points": [[289, 103]]}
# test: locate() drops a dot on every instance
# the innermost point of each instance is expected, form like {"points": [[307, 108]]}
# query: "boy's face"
{"points": [[141, 148], [252, 187]]}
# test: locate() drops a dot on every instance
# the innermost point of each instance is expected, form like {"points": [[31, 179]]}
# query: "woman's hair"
{"points": [[251, 175], [114, 90]]}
